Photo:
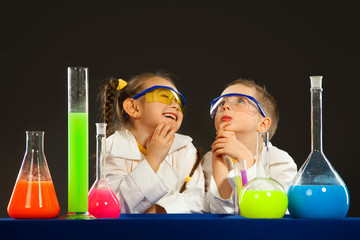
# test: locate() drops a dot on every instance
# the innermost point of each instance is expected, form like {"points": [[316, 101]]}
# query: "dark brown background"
{"points": [[205, 44]]}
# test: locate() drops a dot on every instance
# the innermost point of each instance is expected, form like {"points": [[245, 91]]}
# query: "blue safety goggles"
{"points": [[239, 102]]}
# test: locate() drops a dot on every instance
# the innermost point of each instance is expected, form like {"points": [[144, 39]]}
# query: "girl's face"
{"points": [[239, 121], [154, 113]]}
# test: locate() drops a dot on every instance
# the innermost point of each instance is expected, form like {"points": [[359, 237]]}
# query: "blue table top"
{"points": [[182, 226]]}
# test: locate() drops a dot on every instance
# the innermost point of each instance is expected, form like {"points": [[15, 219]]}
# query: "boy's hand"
{"points": [[159, 144], [226, 144]]}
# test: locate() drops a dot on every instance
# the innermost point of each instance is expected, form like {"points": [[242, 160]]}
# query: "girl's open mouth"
{"points": [[171, 116]]}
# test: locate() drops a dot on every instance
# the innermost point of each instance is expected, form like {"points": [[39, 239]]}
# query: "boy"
{"points": [[243, 109]]}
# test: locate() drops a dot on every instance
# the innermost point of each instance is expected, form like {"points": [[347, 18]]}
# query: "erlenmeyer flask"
{"points": [[263, 197], [34, 193], [317, 190], [103, 203]]}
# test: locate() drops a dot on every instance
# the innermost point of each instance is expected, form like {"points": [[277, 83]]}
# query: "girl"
{"points": [[150, 168]]}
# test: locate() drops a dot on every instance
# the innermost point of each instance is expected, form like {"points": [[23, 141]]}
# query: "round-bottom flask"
{"points": [[103, 203], [317, 190], [263, 197]]}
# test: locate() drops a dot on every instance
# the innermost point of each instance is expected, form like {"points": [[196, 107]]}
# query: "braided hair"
{"points": [[195, 166]]}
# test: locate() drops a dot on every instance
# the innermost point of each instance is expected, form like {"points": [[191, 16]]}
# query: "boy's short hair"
{"points": [[266, 100]]}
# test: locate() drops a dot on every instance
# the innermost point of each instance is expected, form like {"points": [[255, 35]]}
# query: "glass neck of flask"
{"points": [[263, 155], [316, 119], [100, 155], [34, 141]]}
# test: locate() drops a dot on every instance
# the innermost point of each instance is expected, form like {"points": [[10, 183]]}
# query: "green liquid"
{"points": [[263, 204], [78, 162], [239, 186]]}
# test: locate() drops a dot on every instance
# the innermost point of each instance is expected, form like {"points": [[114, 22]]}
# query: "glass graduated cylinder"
{"points": [[103, 203], [78, 144]]}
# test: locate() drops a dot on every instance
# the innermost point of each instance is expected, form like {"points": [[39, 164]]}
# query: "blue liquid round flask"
{"points": [[317, 190]]}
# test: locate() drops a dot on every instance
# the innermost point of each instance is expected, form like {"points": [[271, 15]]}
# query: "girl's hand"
{"points": [[159, 144]]}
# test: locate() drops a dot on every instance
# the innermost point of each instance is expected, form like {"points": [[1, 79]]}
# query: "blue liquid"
{"points": [[318, 201]]}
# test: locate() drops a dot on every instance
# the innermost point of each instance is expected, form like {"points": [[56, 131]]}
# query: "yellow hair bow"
{"points": [[187, 179], [121, 84]]}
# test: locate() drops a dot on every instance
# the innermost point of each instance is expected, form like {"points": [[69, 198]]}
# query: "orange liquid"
{"points": [[36, 199]]}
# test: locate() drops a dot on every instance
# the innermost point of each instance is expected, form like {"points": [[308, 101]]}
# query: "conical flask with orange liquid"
{"points": [[34, 194]]}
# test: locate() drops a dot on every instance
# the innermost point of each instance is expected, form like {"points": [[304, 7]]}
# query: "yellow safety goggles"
{"points": [[163, 94]]}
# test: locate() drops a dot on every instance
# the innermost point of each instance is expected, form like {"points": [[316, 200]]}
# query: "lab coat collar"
{"points": [[128, 148]]}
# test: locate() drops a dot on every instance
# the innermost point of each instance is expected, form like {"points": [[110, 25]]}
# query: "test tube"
{"points": [[243, 172]]}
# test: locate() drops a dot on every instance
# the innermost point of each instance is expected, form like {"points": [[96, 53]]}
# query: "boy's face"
{"points": [[239, 121]]}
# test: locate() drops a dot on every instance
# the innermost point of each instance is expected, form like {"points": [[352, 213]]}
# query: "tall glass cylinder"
{"points": [[78, 142], [317, 190]]}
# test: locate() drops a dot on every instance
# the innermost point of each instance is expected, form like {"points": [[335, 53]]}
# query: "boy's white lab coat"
{"points": [[138, 187], [282, 168]]}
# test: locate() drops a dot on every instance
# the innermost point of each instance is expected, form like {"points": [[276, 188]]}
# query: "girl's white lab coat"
{"points": [[138, 187], [282, 168]]}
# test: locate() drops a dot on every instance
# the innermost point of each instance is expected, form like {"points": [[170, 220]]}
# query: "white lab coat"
{"points": [[138, 187], [282, 168]]}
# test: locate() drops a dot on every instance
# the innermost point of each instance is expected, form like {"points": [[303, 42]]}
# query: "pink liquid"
{"points": [[104, 204], [244, 177]]}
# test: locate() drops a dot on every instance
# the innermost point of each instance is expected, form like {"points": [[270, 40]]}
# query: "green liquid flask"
{"points": [[78, 144], [263, 197]]}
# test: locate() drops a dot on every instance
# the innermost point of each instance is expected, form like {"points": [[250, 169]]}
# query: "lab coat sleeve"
{"points": [[192, 200], [137, 190], [215, 203]]}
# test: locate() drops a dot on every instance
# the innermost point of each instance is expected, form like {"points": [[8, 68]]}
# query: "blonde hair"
{"points": [[115, 116], [266, 100]]}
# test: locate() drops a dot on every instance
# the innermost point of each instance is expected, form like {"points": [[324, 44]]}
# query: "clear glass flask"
{"points": [[78, 144], [263, 197], [34, 194], [103, 203], [317, 190]]}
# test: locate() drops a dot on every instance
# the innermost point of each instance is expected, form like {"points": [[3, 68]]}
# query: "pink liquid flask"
{"points": [[103, 202]]}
